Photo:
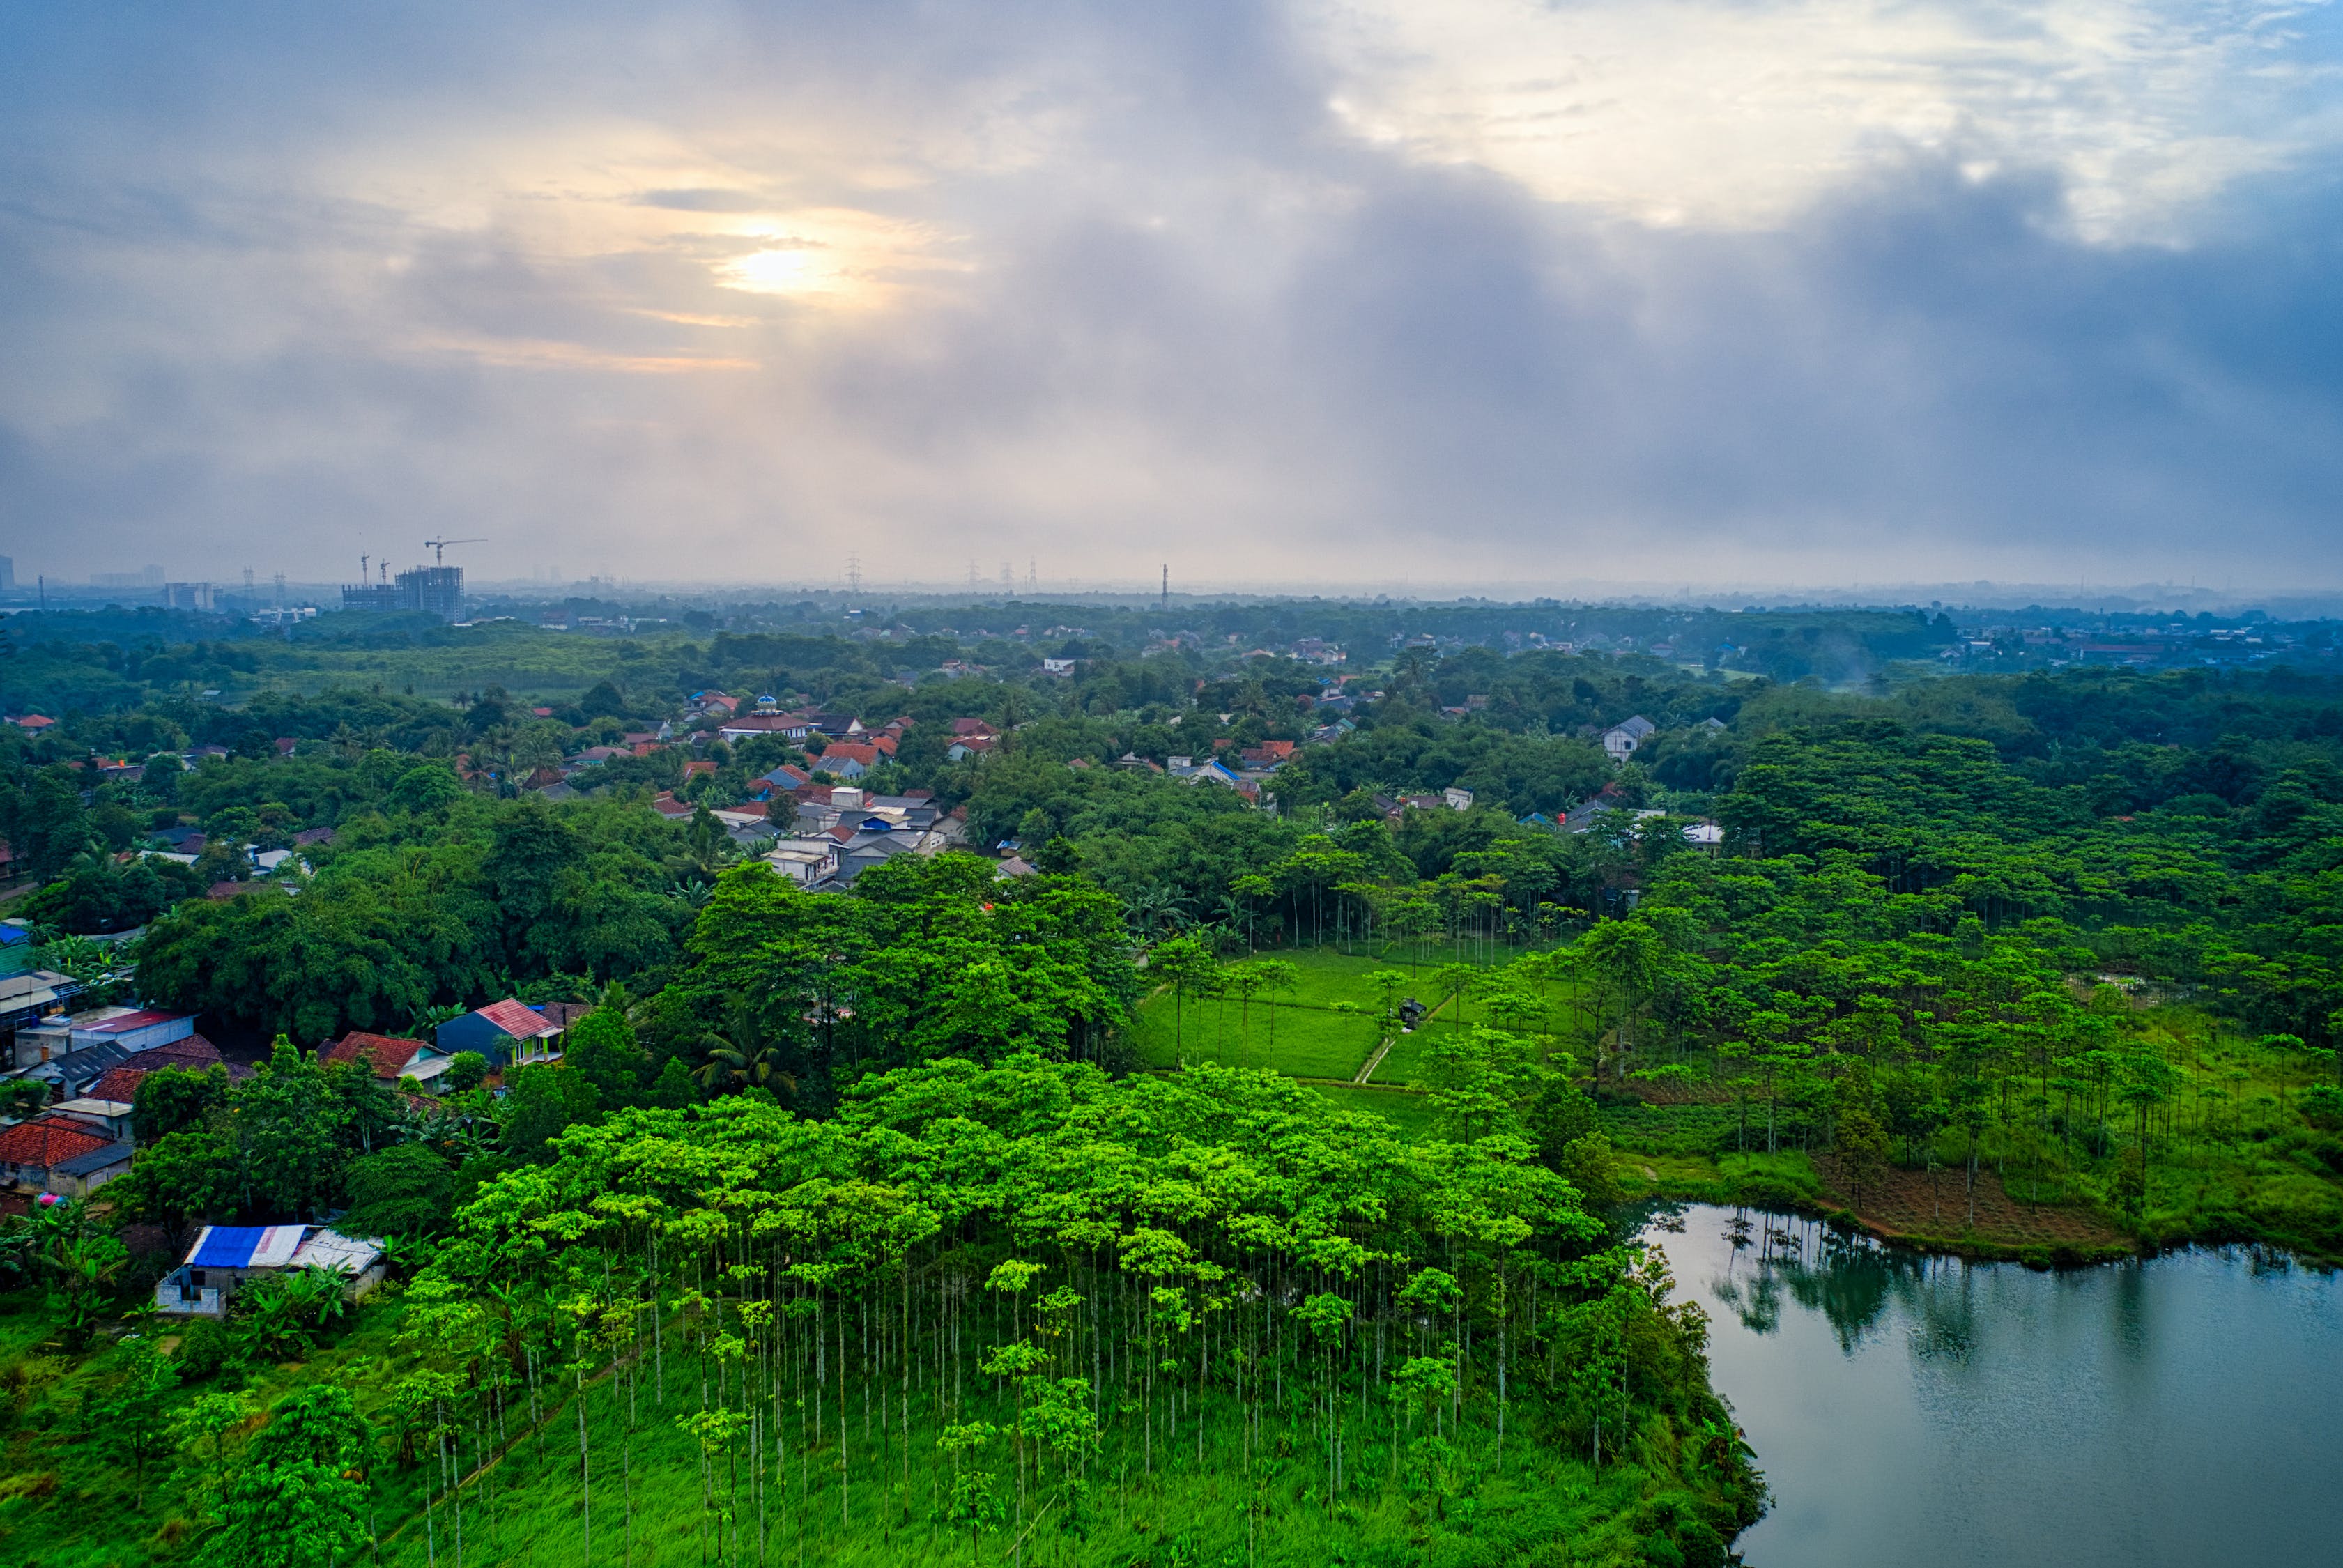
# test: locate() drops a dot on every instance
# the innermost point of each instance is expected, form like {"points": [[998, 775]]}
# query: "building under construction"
{"points": [[432, 590]]}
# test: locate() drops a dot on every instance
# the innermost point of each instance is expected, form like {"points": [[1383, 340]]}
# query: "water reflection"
{"points": [[1850, 1279], [1927, 1411]]}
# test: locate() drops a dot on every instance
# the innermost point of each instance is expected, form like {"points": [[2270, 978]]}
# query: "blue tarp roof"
{"points": [[245, 1246]]}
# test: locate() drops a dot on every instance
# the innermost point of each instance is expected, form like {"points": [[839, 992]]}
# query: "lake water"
{"points": [[1925, 1412]]}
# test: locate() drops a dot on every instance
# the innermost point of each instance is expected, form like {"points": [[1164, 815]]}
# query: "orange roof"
{"points": [[120, 1083], [387, 1054], [45, 1143]]}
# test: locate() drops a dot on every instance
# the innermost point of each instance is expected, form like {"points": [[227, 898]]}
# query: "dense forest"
{"points": [[1116, 1211]]}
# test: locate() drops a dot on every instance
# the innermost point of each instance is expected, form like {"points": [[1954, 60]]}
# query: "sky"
{"points": [[1475, 292]]}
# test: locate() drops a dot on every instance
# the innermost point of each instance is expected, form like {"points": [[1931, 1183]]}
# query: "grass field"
{"points": [[1303, 1033]]}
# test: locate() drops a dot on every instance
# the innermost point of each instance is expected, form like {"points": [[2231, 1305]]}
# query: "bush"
{"points": [[466, 1070], [204, 1350]]}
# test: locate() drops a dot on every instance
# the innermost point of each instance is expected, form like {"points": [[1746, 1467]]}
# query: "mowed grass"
{"points": [[1306, 1033]]}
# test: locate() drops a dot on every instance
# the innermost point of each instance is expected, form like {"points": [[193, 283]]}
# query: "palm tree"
{"points": [[744, 1053]]}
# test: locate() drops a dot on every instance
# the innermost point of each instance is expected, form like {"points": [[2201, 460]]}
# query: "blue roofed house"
{"points": [[508, 1032], [226, 1257]]}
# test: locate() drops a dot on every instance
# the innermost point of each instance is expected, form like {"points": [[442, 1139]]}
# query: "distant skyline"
{"points": [[1345, 294]]}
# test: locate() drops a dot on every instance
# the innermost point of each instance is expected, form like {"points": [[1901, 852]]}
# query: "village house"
{"points": [[226, 1257], [509, 1033], [1620, 739], [69, 1156]]}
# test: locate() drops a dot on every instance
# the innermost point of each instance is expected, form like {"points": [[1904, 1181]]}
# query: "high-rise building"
{"points": [[144, 576], [187, 596], [7, 572], [430, 590]]}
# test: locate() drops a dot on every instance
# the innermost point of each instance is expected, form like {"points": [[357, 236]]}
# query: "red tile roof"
{"points": [[120, 1083], [387, 1054], [517, 1018], [46, 1143]]}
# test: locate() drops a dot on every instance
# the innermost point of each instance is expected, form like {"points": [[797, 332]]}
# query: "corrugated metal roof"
{"points": [[517, 1018], [332, 1249]]}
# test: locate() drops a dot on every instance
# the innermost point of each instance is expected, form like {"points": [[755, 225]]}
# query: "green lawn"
{"points": [[1411, 1113], [1302, 1033]]}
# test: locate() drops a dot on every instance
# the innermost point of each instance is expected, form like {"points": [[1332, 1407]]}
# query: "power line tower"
{"points": [[854, 575], [1166, 603], [972, 574], [1032, 574], [1008, 578]]}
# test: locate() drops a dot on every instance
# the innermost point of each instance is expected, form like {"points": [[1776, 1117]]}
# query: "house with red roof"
{"points": [[62, 1155], [387, 1055], [508, 1032], [853, 759]]}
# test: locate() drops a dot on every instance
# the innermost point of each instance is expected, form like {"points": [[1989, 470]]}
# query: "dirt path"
{"points": [[1377, 1059]]}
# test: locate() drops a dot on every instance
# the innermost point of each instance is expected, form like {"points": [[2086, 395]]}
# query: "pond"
{"points": [[1930, 1413]]}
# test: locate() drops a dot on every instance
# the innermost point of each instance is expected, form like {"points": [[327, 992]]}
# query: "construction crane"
{"points": [[438, 547]]}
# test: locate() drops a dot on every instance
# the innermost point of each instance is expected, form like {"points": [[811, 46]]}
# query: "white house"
{"points": [[1620, 739]]}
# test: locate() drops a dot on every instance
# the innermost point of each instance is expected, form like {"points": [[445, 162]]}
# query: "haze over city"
{"points": [[1308, 295]]}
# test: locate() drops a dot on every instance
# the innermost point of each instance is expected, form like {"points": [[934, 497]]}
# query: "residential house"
{"points": [[1458, 799], [1209, 771], [389, 1057], [805, 861], [60, 1154], [1621, 739], [1061, 667], [111, 1117], [120, 1083], [790, 727], [967, 746], [226, 1257], [509, 1034], [1268, 755], [853, 759], [74, 1052]]}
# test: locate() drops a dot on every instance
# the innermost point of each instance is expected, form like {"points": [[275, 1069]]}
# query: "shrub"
{"points": [[204, 1350]]}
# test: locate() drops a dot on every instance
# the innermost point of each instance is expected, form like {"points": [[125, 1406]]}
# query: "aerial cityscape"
{"points": [[1291, 782]]}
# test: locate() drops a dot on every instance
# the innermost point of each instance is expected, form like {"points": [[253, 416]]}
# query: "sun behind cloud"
{"points": [[836, 255]]}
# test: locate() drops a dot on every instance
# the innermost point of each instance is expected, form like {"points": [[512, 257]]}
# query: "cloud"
{"points": [[1499, 293], [1722, 112]]}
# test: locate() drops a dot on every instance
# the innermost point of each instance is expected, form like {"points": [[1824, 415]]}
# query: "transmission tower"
{"points": [[1008, 578], [1167, 588], [1032, 576], [972, 574], [854, 575]]}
